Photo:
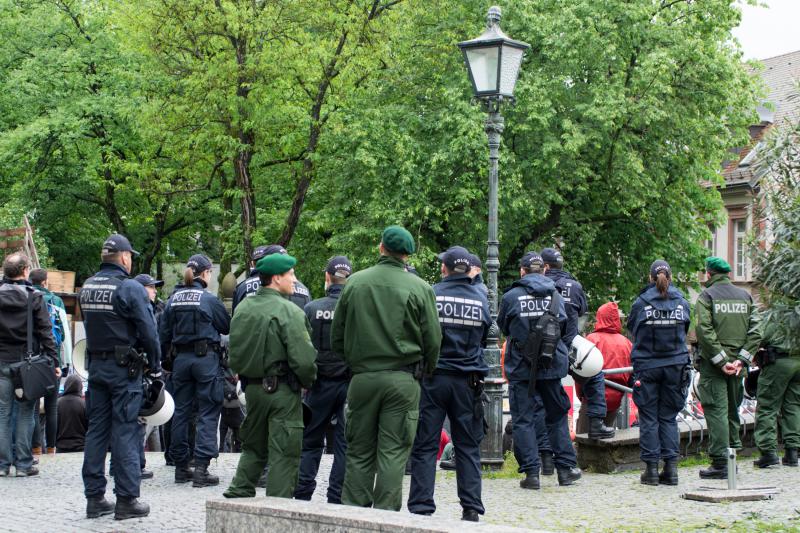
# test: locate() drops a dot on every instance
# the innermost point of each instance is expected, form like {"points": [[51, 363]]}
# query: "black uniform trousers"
{"points": [[556, 405], [112, 406], [450, 395], [326, 399], [660, 394], [196, 378]]}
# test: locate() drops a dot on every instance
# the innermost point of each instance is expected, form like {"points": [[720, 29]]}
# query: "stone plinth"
{"points": [[243, 515], [621, 452]]}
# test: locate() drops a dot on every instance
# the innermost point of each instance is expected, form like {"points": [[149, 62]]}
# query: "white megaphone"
{"points": [[586, 360], [79, 363]]}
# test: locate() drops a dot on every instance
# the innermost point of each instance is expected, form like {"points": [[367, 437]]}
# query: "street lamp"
{"points": [[493, 61]]}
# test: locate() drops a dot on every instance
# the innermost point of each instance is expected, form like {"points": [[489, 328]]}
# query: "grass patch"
{"points": [[695, 460], [509, 470]]}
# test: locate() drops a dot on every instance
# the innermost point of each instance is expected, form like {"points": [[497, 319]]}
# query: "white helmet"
{"points": [[240, 393], [158, 405], [586, 359]]}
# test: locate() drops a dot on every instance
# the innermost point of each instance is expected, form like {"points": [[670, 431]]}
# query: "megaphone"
{"points": [[80, 365], [240, 393], [751, 384], [585, 359], [157, 405]]}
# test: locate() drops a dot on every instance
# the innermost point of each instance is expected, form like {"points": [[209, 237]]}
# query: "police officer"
{"points": [[300, 296], [658, 321], [593, 389], [271, 350], [522, 306], [327, 397], [778, 392], [476, 273], [454, 390], [117, 316], [152, 285], [725, 314], [192, 323], [386, 327]]}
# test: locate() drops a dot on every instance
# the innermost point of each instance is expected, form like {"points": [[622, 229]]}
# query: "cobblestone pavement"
{"points": [[53, 501]]}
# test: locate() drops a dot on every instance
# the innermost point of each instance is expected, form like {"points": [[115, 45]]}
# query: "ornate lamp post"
{"points": [[493, 61]]}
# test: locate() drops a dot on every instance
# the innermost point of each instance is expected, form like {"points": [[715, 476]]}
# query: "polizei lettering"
{"points": [[324, 314], [731, 308], [672, 315], [189, 297], [461, 311], [98, 296]]}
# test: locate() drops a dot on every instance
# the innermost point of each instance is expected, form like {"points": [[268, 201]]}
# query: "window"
{"points": [[739, 248], [711, 244]]}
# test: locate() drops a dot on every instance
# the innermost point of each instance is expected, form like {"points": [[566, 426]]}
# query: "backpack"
{"points": [[56, 325], [542, 342]]}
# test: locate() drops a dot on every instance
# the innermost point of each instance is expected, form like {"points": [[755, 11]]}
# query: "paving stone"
{"points": [[54, 501]]}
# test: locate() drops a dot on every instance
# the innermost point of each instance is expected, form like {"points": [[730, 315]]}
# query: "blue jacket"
{"points": [[193, 314], [521, 306], [330, 365], [574, 300], [659, 327], [464, 318], [117, 312], [251, 284]]}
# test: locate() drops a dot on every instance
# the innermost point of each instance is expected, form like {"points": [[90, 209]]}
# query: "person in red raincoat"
{"points": [[616, 350]]}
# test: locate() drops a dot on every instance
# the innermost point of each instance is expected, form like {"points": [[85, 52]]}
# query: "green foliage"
{"points": [[221, 126], [777, 266]]}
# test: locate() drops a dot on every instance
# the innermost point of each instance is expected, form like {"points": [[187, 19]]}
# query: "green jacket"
{"points": [[50, 297], [726, 323], [386, 319], [268, 329], [772, 336]]}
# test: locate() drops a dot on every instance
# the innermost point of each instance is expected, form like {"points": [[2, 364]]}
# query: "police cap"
{"points": [[339, 266], [275, 264], [530, 259], [475, 261], [149, 281], [118, 243], [398, 240], [717, 264], [199, 263], [552, 257], [456, 259], [658, 267]]}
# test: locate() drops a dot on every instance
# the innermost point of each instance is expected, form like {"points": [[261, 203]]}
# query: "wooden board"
{"points": [[724, 495], [61, 281]]}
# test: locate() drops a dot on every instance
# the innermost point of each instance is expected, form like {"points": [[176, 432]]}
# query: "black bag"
{"points": [[34, 374], [542, 342]]}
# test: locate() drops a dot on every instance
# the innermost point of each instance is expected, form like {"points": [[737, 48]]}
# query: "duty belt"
{"points": [[193, 346]]}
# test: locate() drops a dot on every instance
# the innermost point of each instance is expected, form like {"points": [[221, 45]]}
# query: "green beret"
{"points": [[397, 239], [274, 264], [717, 264]]}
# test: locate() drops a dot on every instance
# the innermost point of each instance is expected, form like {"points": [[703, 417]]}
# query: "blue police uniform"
{"points": [[326, 399], [192, 322], [117, 316], [660, 369], [526, 301], [454, 390], [301, 296], [594, 389]]}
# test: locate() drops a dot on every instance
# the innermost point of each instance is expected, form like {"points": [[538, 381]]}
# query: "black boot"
{"points": [[97, 507], [598, 430], [767, 459], [130, 508], [546, 460], [650, 474], [717, 470], [568, 476], [531, 481], [470, 515], [790, 457], [669, 476], [183, 474], [147, 474], [202, 478]]}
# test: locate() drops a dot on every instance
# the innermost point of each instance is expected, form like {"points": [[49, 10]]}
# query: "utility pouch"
{"points": [[122, 355], [136, 363], [418, 371], [270, 384], [201, 348]]}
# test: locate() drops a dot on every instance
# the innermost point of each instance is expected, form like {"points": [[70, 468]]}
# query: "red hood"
{"points": [[608, 319]]}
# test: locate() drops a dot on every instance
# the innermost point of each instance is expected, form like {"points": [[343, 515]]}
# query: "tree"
{"points": [[777, 265]]}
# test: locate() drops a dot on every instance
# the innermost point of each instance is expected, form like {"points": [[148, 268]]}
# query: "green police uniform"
{"points": [[385, 323], [270, 336], [778, 392], [725, 331]]}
